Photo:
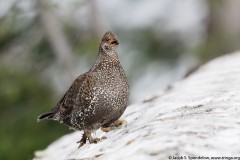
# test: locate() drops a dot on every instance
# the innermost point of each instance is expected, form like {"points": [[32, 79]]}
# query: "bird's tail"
{"points": [[48, 115]]}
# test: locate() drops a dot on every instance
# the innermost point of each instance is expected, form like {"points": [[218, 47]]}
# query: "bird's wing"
{"points": [[70, 98]]}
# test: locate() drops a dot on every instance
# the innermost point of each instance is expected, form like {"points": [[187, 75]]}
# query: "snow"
{"points": [[198, 116]]}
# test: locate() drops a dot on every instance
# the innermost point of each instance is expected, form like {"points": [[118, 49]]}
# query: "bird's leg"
{"points": [[114, 125], [93, 140], [83, 140]]}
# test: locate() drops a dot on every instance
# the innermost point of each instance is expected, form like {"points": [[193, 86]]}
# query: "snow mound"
{"points": [[198, 116]]}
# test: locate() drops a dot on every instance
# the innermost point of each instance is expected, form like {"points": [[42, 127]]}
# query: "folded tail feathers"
{"points": [[48, 115]]}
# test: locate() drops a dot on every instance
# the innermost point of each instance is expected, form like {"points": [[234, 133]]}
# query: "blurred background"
{"points": [[46, 44]]}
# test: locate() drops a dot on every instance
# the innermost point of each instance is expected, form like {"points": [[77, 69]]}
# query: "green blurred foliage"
{"points": [[7, 31], [14, 26], [23, 97], [42, 54], [152, 47], [80, 42], [217, 44]]}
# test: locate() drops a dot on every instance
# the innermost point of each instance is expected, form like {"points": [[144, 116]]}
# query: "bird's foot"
{"points": [[114, 125], [82, 141], [96, 140], [87, 135]]}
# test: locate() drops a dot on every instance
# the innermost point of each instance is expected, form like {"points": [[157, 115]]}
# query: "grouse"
{"points": [[96, 98]]}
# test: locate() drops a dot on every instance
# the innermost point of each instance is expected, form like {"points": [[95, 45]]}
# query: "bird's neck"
{"points": [[110, 57]]}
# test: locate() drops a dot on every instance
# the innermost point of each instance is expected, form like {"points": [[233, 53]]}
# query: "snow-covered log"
{"points": [[197, 117]]}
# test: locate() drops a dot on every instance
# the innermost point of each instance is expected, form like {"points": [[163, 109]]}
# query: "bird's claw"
{"points": [[91, 140], [114, 125], [96, 140], [81, 143]]}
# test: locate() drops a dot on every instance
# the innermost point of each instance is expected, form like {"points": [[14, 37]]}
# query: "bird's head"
{"points": [[109, 43]]}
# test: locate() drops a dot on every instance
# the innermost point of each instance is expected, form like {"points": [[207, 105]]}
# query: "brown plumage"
{"points": [[96, 98]]}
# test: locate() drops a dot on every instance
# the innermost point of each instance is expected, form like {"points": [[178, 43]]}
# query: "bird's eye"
{"points": [[108, 39], [115, 42]]}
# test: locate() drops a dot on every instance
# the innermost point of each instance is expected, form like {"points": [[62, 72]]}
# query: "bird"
{"points": [[97, 98]]}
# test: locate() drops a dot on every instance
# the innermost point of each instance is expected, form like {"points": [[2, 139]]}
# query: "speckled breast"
{"points": [[104, 100]]}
